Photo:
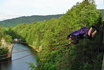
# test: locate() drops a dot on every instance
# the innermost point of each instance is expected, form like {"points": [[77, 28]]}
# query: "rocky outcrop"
{"points": [[7, 45]]}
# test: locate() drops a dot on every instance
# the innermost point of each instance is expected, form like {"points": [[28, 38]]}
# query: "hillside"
{"points": [[31, 19], [27, 19], [49, 39]]}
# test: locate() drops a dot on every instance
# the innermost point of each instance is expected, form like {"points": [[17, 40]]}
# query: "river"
{"points": [[21, 63]]}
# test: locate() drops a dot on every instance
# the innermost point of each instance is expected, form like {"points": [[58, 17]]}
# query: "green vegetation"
{"points": [[3, 51], [102, 10], [3, 48], [31, 19], [50, 39], [27, 19], [3, 35], [31, 65]]}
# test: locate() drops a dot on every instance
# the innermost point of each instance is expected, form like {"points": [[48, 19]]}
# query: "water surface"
{"points": [[20, 59]]}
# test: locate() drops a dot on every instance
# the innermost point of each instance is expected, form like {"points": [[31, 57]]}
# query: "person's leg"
{"points": [[89, 32], [94, 33]]}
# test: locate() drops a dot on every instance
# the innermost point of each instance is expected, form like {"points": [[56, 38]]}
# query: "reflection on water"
{"points": [[20, 64]]}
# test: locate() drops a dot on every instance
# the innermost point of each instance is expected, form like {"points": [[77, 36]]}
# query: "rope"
{"points": [[21, 51], [28, 54], [17, 58], [15, 52], [26, 50], [4, 54]]}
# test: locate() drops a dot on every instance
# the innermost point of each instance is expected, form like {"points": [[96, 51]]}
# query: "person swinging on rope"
{"points": [[82, 33]]}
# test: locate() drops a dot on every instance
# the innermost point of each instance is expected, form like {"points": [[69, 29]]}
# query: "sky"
{"points": [[16, 8]]}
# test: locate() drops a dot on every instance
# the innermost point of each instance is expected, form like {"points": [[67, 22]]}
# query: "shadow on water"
{"points": [[6, 66]]}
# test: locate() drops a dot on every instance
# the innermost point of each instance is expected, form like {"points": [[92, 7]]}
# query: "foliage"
{"points": [[3, 51], [102, 10], [49, 38], [31, 65], [26, 19], [7, 38], [31, 19]]}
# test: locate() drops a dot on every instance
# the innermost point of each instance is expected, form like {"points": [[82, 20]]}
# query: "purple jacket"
{"points": [[83, 30]]}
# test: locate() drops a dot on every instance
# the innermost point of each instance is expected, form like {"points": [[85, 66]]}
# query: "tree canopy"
{"points": [[52, 33]]}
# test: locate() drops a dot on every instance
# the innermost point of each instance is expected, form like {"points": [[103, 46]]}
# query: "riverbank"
{"points": [[6, 50], [20, 60]]}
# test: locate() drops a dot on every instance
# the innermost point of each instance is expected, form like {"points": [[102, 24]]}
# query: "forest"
{"points": [[49, 39], [30, 19], [27, 19]]}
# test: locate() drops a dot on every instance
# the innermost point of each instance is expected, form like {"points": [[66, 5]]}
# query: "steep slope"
{"points": [[5, 45], [49, 39]]}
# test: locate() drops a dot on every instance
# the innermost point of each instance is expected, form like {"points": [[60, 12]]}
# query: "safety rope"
{"points": [[27, 55], [16, 59], [26, 50], [15, 52]]}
